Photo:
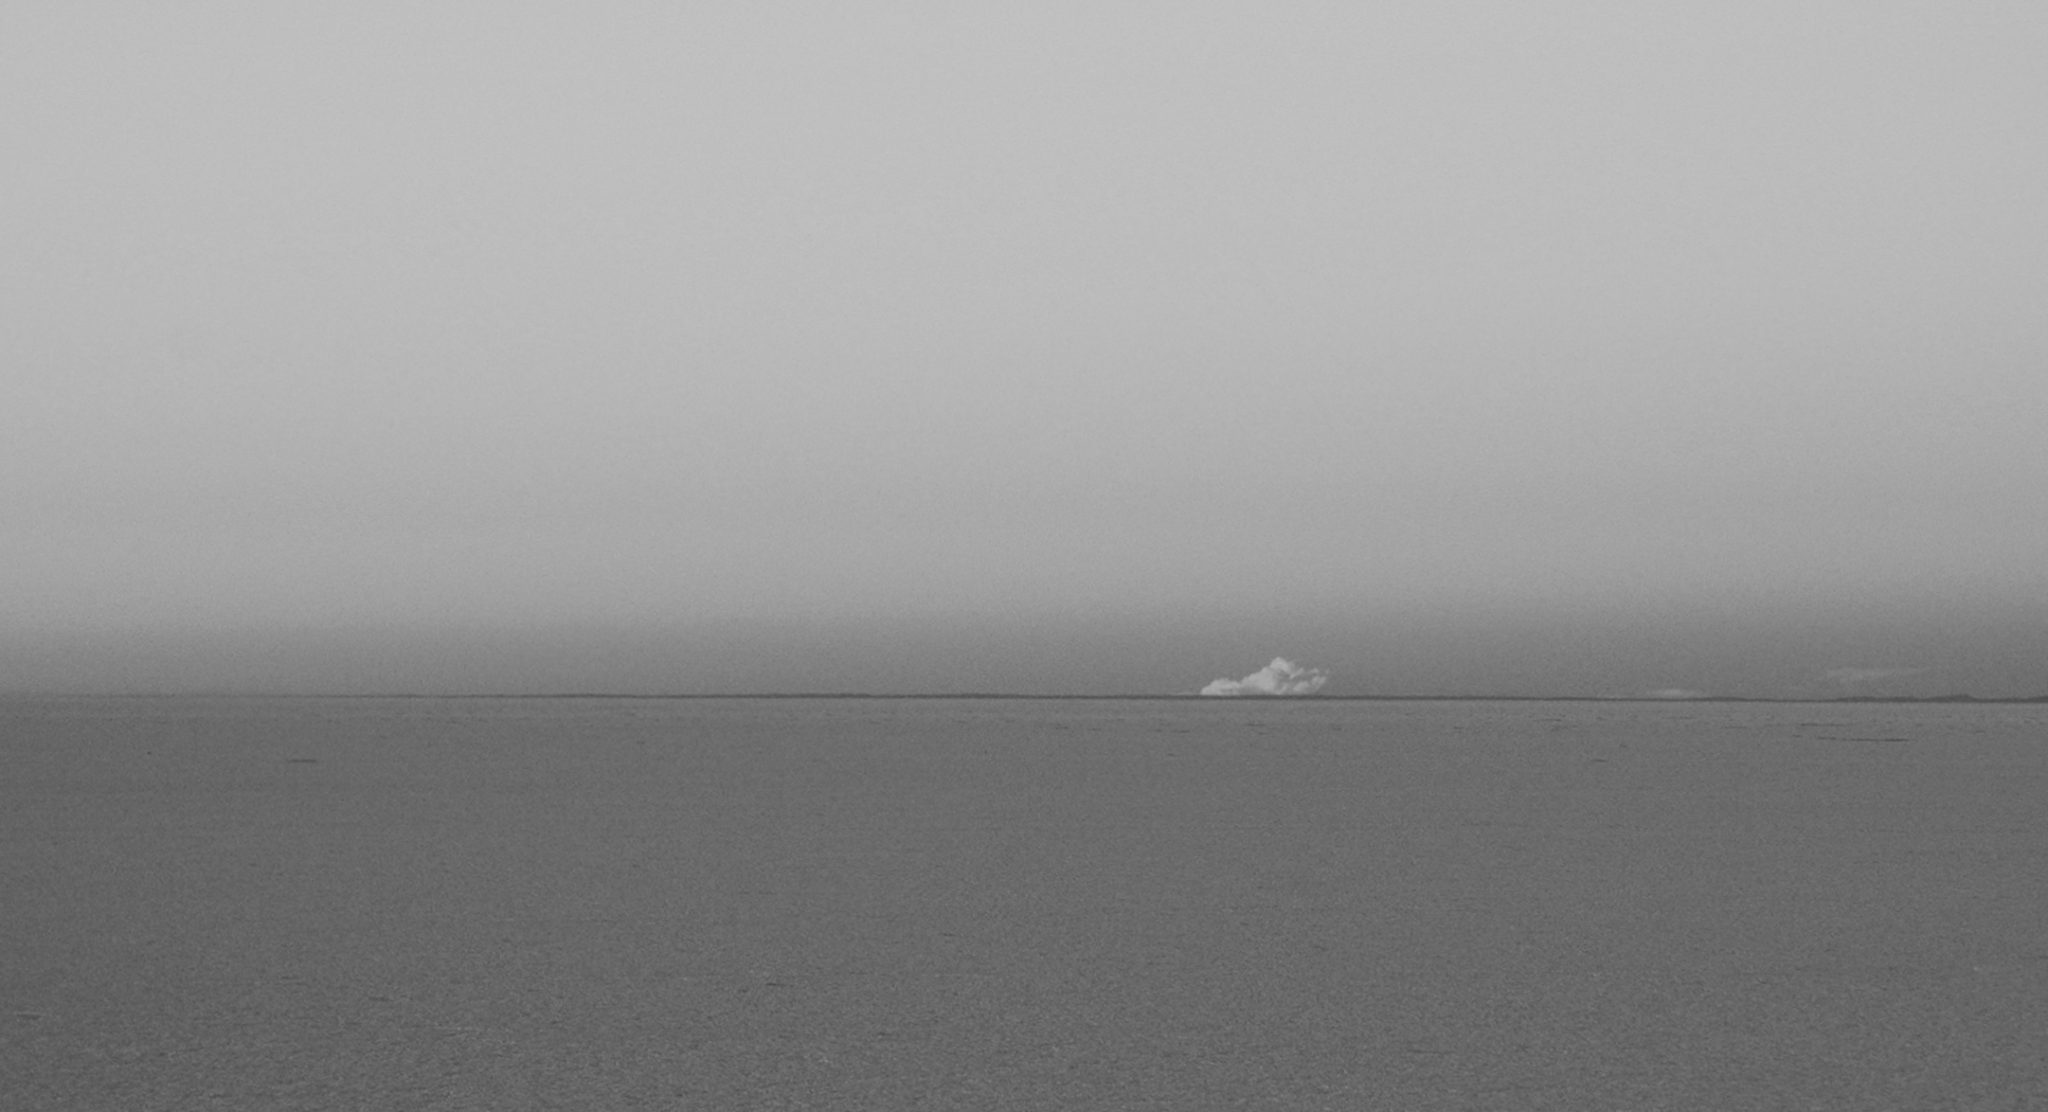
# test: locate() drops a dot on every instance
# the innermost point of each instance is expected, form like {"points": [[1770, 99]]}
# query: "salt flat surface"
{"points": [[1021, 904]]}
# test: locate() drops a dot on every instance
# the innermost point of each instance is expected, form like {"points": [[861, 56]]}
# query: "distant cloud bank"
{"points": [[1282, 677]]}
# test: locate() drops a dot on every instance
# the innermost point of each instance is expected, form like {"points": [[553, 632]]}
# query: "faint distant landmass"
{"points": [[1956, 698]]}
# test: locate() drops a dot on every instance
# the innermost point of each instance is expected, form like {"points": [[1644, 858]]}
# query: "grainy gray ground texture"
{"points": [[1021, 904]]}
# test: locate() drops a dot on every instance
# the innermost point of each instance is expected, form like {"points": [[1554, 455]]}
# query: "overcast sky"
{"points": [[1493, 347]]}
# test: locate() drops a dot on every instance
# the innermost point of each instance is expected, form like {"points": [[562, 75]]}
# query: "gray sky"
{"points": [[1494, 347]]}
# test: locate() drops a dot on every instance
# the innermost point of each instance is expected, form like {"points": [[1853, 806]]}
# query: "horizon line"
{"points": [[1958, 697]]}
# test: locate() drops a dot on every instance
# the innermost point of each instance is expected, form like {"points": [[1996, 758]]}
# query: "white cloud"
{"points": [[1282, 677]]}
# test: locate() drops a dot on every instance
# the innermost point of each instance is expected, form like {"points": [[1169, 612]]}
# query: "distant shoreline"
{"points": [[1945, 700]]}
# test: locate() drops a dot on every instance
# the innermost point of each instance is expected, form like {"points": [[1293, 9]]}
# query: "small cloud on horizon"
{"points": [[1282, 677]]}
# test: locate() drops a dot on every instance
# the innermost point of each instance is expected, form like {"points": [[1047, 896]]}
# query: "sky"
{"points": [[1490, 348]]}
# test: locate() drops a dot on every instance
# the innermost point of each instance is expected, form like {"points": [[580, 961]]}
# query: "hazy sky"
{"points": [[1601, 347]]}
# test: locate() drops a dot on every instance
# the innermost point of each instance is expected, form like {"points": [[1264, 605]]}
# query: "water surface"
{"points": [[1021, 904]]}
